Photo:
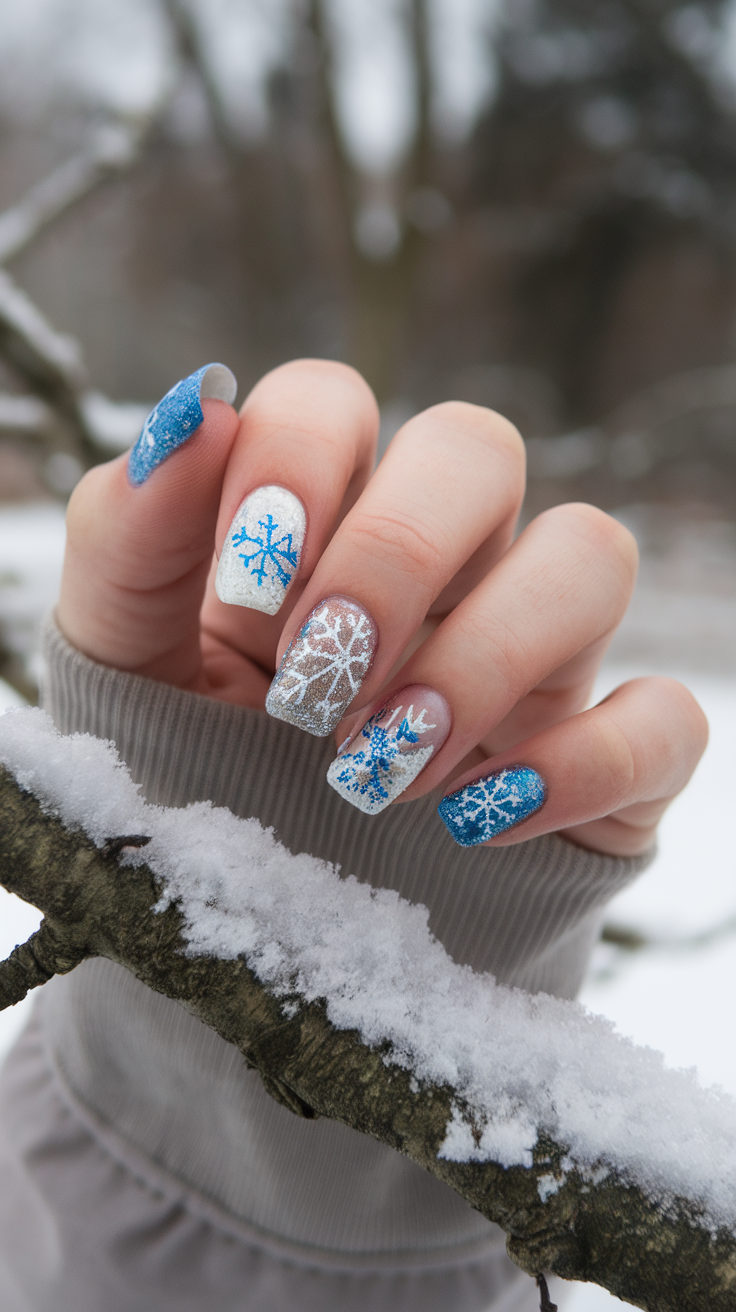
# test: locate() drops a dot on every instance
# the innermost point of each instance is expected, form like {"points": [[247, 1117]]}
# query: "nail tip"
{"points": [[217, 382], [362, 804], [230, 597], [177, 416], [280, 708]]}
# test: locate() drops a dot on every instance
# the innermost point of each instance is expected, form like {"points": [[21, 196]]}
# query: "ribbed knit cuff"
{"points": [[528, 913]]}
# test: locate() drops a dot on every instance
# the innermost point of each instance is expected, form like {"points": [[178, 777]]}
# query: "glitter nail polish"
{"points": [[177, 416], [261, 552], [379, 762], [492, 805], [324, 666]]}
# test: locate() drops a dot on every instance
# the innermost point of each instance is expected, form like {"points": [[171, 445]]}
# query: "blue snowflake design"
{"points": [[490, 806], [375, 774], [268, 550]]}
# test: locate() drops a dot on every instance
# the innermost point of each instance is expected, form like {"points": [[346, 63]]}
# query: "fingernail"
{"points": [[177, 416], [262, 550], [324, 666], [392, 748], [489, 806]]}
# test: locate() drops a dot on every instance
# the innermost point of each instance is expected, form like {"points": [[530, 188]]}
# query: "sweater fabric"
{"points": [[149, 1166]]}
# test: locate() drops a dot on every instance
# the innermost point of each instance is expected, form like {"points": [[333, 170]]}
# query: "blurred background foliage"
{"points": [[527, 204]]}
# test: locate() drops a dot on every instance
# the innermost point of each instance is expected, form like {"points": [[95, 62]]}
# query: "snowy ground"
{"points": [[675, 998], [31, 552]]}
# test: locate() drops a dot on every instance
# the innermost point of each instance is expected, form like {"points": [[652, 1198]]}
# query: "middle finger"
{"points": [[394, 554]]}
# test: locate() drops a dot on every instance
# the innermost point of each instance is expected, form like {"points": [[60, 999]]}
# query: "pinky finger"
{"points": [[602, 778]]}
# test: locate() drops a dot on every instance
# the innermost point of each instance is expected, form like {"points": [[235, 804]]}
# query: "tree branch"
{"points": [[52, 363], [664, 1259], [25, 414], [112, 149]]}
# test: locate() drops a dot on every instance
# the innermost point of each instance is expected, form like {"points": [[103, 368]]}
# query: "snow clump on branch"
{"points": [[520, 1065]]}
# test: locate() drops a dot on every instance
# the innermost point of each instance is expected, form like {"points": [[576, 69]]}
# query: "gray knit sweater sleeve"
{"points": [[181, 1095]]}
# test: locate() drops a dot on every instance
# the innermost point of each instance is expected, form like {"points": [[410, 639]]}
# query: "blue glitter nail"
{"points": [[177, 416], [489, 806]]}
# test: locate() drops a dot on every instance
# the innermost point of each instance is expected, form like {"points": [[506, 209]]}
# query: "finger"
{"points": [[602, 778], [562, 693], [304, 451], [451, 482], [550, 604], [140, 532]]}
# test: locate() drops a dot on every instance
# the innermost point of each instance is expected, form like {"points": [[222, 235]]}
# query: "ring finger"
{"points": [[548, 606]]}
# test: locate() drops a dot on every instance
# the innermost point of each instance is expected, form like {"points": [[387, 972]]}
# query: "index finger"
{"points": [[303, 453]]}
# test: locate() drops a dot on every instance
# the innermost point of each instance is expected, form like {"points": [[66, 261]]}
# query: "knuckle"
{"points": [[401, 542], [615, 759]]}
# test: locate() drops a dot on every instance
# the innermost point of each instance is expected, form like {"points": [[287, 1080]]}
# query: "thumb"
{"points": [[140, 535]]}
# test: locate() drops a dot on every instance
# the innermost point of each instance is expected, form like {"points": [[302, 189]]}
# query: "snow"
{"points": [[31, 552], [682, 1002], [519, 1063], [17, 919]]}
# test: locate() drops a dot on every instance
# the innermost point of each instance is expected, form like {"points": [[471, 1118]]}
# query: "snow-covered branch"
{"points": [[25, 414], [111, 149], [51, 362], [600, 1164]]}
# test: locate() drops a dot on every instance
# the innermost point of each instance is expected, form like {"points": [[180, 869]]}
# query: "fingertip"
{"points": [[288, 393]]}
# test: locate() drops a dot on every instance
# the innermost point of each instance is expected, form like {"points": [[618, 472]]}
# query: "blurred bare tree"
{"points": [[530, 204]]}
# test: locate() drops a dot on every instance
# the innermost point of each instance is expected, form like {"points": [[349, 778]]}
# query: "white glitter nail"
{"points": [[392, 748], [261, 552]]}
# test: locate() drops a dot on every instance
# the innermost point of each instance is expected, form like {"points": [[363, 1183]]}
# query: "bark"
{"points": [[664, 1260]]}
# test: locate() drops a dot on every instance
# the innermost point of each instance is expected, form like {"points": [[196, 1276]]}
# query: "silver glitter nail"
{"points": [[324, 666]]}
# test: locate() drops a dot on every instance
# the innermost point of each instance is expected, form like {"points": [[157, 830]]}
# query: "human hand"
{"points": [[471, 657]]}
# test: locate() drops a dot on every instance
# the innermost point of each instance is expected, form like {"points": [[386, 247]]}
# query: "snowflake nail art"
{"points": [[393, 747], [324, 666], [177, 416], [262, 550], [489, 806]]}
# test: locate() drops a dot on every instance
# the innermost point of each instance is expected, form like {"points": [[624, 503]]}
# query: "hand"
{"points": [[413, 584]]}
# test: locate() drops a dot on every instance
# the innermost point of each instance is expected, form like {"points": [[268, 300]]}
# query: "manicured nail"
{"points": [[262, 550], [177, 416], [323, 666], [489, 806], [375, 765]]}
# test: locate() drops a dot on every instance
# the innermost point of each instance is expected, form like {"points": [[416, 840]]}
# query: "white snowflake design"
{"points": [[490, 806], [371, 776], [324, 667]]}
